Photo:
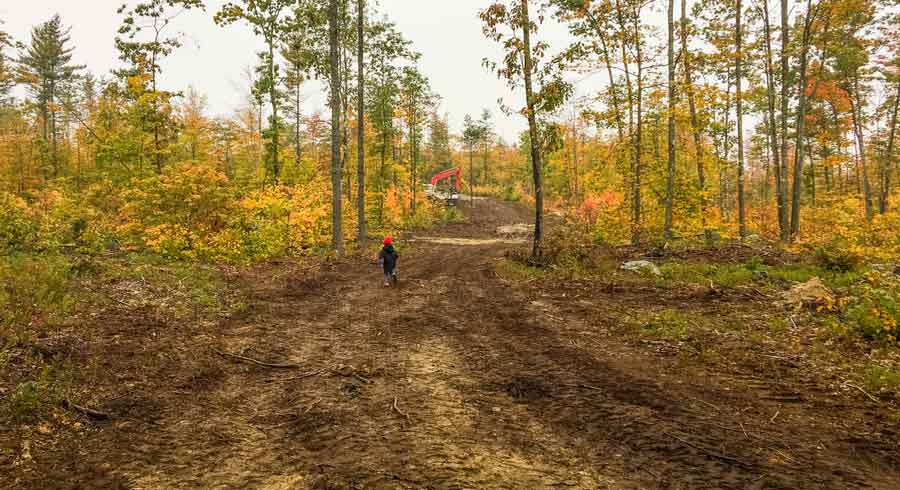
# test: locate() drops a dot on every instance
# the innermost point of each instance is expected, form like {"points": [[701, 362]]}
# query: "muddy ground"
{"points": [[458, 379]]}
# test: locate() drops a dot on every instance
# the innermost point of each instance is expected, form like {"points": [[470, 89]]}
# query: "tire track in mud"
{"points": [[549, 409], [455, 380]]}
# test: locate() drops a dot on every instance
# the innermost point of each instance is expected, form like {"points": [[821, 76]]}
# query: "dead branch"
{"points": [[589, 387], [397, 409], [712, 454], [300, 376], [313, 404], [90, 412], [254, 361], [785, 456], [864, 392], [716, 407]]}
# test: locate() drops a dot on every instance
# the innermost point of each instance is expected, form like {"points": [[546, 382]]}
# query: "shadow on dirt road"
{"points": [[456, 380]]}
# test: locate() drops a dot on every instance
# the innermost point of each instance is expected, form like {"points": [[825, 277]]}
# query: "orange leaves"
{"points": [[829, 91]]}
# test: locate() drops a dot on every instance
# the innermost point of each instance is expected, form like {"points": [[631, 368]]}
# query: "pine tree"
{"points": [[268, 19], [145, 54], [439, 142], [7, 77], [46, 67]]}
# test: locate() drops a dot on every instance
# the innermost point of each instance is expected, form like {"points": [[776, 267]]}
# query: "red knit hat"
{"points": [[388, 240]]}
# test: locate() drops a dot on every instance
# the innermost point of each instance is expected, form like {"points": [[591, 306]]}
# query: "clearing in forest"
{"points": [[474, 373]]}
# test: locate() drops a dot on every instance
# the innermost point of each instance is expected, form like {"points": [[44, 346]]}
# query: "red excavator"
{"points": [[445, 186]]}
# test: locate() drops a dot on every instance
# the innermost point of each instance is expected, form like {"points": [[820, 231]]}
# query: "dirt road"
{"points": [[457, 380]]}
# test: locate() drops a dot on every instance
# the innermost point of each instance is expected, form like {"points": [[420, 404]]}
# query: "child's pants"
{"points": [[387, 276]]}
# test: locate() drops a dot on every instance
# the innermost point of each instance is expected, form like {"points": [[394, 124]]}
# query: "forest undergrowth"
{"points": [[847, 332]]}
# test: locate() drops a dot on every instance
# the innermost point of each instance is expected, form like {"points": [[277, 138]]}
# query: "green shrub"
{"points": [[511, 194], [598, 236], [870, 310], [33, 288], [874, 309], [755, 264], [31, 398], [16, 226], [836, 257], [878, 379]]}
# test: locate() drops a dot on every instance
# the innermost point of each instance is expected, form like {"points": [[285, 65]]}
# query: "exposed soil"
{"points": [[458, 379]]}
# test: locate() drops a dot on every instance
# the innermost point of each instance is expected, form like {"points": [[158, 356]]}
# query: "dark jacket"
{"points": [[388, 256]]}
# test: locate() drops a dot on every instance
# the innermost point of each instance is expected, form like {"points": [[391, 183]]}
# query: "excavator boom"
{"points": [[452, 196], [446, 174]]}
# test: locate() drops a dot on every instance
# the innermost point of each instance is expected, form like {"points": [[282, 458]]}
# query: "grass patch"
{"points": [[777, 326], [43, 295], [879, 379], [565, 269], [517, 271], [752, 271], [183, 289], [34, 289], [33, 399], [669, 324], [798, 273], [727, 275]]}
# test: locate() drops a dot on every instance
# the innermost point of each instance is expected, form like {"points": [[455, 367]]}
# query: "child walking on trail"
{"points": [[388, 259]]}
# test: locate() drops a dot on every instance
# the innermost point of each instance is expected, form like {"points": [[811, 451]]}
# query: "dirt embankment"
{"points": [[458, 379]]}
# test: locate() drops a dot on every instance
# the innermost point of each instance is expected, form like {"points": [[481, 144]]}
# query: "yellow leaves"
{"points": [[170, 241]]}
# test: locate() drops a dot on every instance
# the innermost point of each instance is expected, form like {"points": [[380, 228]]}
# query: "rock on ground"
{"points": [[642, 266]]}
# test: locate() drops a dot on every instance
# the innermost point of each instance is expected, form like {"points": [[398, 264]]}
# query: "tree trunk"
{"points": [[887, 173], [273, 101], [800, 145], [785, 89], [614, 92], [812, 177], [670, 146], [772, 123], [723, 153], [765, 191], [414, 154], [695, 122], [856, 106], [360, 123], [739, 104], [575, 175], [345, 111], [486, 179], [336, 231], [536, 164], [629, 88], [53, 133], [638, 143], [298, 147], [472, 174], [157, 157]]}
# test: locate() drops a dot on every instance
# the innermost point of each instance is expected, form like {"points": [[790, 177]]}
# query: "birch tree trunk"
{"points": [[739, 103], [337, 241], [670, 146], [536, 164], [785, 89], [695, 122], [887, 173], [360, 124]]}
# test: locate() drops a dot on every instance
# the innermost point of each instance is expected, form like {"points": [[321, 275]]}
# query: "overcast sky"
{"points": [[213, 59]]}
